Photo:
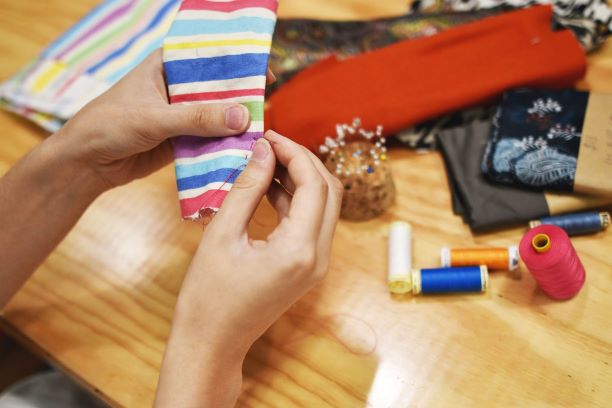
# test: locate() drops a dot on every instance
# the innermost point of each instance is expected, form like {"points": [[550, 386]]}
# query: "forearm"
{"points": [[200, 368], [41, 198]]}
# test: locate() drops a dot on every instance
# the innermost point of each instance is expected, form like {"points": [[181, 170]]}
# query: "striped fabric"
{"points": [[88, 59], [217, 52]]}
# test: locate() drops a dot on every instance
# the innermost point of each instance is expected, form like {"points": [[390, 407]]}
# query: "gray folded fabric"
{"points": [[50, 389], [483, 204]]}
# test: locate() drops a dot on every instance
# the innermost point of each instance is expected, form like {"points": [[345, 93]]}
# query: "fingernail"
{"points": [[236, 117], [261, 150]]}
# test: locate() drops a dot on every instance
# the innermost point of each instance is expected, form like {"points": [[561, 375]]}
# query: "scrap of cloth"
{"points": [[118, 34], [299, 43], [590, 20], [416, 80], [552, 139], [87, 60], [535, 139], [217, 52], [485, 205]]}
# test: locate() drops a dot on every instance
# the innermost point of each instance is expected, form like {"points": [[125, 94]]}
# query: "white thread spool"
{"points": [[400, 257]]}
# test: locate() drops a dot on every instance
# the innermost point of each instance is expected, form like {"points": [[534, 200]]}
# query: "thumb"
{"points": [[248, 190], [209, 120]]}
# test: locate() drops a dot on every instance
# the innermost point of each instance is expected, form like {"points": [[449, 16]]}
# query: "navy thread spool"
{"points": [[579, 223], [450, 280]]}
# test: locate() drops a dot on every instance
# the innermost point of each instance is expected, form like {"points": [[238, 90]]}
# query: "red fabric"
{"points": [[415, 80]]}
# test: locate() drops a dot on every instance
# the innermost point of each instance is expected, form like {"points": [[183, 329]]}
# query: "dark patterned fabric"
{"points": [[535, 139], [590, 20], [424, 136], [299, 43]]}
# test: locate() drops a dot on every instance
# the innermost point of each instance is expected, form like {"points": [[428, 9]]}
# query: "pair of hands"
{"points": [[235, 287]]}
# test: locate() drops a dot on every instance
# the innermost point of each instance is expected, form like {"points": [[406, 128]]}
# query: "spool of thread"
{"points": [[493, 258], [400, 257], [579, 223], [551, 258], [450, 280]]}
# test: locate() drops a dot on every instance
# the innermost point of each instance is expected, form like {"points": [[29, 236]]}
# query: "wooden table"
{"points": [[99, 308]]}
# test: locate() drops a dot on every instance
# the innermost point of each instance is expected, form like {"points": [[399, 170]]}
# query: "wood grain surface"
{"points": [[100, 306]]}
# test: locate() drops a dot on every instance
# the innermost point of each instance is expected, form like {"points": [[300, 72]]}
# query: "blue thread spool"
{"points": [[450, 280], [579, 223]]}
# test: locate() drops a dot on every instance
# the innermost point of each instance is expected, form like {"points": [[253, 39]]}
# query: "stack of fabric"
{"points": [[435, 74]]}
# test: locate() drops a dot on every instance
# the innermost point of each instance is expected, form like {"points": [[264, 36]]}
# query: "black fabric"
{"points": [[590, 20], [482, 204]]}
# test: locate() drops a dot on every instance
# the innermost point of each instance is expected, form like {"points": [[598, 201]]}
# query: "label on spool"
{"points": [[605, 219], [484, 275], [513, 258], [416, 282], [445, 257]]}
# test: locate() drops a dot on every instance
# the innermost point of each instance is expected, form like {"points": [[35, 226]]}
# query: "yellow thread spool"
{"points": [[541, 243]]}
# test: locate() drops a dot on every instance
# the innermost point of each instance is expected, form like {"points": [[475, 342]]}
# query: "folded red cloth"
{"points": [[415, 80]]}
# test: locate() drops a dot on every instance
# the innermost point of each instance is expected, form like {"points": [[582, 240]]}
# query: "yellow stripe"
{"points": [[220, 43], [136, 48], [47, 76]]}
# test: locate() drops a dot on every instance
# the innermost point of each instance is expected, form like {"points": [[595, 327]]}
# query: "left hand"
{"points": [[124, 134]]}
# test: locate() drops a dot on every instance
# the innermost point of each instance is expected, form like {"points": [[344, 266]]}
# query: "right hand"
{"points": [[237, 287]]}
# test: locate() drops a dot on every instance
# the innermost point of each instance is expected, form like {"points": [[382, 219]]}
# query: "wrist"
{"points": [[197, 322], [68, 174], [198, 369]]}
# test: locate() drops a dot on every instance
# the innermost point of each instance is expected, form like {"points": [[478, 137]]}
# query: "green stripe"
{"points": [[256, 109], [111, 35]]}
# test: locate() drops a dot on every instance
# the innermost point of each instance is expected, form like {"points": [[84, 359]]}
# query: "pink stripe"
{"points": [[100, 53], [209, 96], [228, 6], [71, 80], [210, 199], [101, 24]]}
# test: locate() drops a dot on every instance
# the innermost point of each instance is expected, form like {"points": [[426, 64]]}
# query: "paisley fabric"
{"points": [[535, 139], [590, 20], [299, 43]]}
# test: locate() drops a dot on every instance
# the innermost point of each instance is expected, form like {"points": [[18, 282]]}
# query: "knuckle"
{"points": [[337, 188], [322, 187], [201, 118], [245, 181], [320, 274], [303, 260]]}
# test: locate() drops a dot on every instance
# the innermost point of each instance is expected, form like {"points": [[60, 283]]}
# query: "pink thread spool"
{"points": [[551, 258]]}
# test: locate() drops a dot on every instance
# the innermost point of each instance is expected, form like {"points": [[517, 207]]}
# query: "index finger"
{"points": [[310, 196]]}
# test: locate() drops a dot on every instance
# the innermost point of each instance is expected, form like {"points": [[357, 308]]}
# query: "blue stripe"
{"points": [[223, 162], [238, 25], [119, 73], [217, 176], [215, 68], [168, 7], [72, 31]]}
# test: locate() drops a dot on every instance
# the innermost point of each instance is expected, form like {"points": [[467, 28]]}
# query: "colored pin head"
{"points": [[358, 157]]}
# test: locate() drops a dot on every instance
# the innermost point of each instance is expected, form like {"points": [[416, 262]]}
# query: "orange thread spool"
{"points": [[493, 258]]}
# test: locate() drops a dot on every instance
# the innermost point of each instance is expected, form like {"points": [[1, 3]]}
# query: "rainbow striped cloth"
{"points": [[88, 59], [217, 52]]}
